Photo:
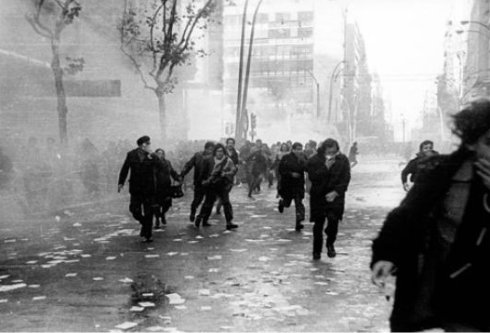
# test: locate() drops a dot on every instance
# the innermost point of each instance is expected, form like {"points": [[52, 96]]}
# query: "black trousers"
{"points": [[331, 231], [221, 193], [141, 208], [199, 193], [298, 204]]}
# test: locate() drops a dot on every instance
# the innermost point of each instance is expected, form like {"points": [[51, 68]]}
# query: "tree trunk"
{"points": [[60, 92], [162, 111]]}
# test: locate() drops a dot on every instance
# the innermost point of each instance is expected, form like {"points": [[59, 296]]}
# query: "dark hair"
{"points": [[160, 149], [282, 145], [142, 140], [209, 144], [297, 145], [425, 143], [472, 122], [230, 139], [328, 143], [219, 146]]}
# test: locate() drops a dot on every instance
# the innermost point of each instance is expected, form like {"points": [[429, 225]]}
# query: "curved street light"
{"points": [[334, 75], [317, 94], [475, 22]]}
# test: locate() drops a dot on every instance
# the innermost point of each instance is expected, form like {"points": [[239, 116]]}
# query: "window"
{"points": [[280, 33], [283, 17], [305, 32], [305, 17]]}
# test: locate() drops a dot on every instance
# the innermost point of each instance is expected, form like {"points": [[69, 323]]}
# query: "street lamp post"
{"points": [[465, 22], [331, 89], [317, 94]]}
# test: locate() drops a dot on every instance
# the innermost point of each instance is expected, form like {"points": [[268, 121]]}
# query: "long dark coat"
{"points": [[289, 186], [324, 181], [405, 237], [164, 173], [142, 179]]}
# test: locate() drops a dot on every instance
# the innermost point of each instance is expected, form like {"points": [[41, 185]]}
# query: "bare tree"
{"points": [[161, 37], [48, 19]]}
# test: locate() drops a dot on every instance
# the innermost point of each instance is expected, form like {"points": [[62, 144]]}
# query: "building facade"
{"points": [[282, 83]]}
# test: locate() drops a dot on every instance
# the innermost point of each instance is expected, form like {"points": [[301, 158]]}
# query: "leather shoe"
{"points": [[317, 256], [197, 222], [230, 226], [299, 226], [331, 251]]}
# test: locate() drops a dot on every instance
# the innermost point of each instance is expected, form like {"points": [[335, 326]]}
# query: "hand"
{"points": [[331, 196], [406, 187], [483, 170], [295, 175], [119, 188], [380, 272]]}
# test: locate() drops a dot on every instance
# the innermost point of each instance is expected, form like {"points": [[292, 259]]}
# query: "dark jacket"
{"points": [[324, 181], [257, 163], [164, 173], [141, 165], [196, 162], [234, 156], [413, 167], [429, 209], [291, 186]]}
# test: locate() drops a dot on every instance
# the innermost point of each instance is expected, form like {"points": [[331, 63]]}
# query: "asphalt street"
{"points": [[86, 269]]}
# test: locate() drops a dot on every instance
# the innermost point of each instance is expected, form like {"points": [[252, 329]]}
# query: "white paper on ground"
{"points": [[12, 287], [146, 304], [204, 292], [126, 325], [126, 280], [136, 309], [175, 299]]}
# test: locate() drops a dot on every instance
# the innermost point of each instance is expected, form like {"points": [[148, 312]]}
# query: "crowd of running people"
{"points": [[154, 182]]}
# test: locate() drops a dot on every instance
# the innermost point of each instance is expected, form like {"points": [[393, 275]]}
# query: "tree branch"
{"points": [[199, 15], [35, 22], [164, 18], [152, 44], [173, 19], [36, 27], [137, 66]]}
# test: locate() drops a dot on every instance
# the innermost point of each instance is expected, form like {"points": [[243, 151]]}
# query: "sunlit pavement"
{"points": [[88, 271]]}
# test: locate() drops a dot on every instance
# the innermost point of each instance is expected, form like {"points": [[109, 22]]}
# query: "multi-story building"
{"points": [[281, 77], [356, 90], [476, 81]]}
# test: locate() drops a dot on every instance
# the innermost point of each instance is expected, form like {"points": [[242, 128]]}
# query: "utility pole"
{"points": [[332, 79], [249, 61], [238, 125], [318, 112]]}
